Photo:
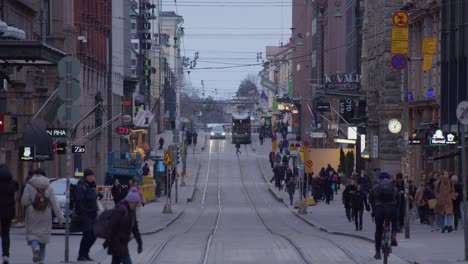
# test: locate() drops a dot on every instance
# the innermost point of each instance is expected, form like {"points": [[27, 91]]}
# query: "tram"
{"points": [[241, 131]]}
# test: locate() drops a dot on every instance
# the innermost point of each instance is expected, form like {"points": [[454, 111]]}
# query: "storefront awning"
{"points": [[28, 52]]}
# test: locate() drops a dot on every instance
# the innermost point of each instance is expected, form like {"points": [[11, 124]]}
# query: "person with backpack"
{"points": [[38, 199], [116, 227], [86, 210], [117, 192], [8, 188], [384, 200], [346, 197]]}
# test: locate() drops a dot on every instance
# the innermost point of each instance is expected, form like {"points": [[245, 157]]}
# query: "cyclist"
{"points": [[238, 148], [384, 199]]}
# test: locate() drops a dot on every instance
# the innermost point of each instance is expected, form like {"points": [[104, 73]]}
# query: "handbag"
{"points": [[432, 203]]}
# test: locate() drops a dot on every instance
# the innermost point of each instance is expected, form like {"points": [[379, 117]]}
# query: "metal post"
{"points": [[68, 158], [464, 185], [405, 156], [167, 207], [176, 180]]}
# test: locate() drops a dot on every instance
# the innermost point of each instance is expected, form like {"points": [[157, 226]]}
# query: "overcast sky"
{"points": [[229, 33]]}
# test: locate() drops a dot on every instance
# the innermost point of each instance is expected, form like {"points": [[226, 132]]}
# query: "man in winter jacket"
{"points": [[347, 194], [8, 188], [123, 224], [358, 201], [86, 209]]}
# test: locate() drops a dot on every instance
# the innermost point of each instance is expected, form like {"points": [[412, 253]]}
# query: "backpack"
{"points": [[385, 191], [40, 201], [102, 227]]}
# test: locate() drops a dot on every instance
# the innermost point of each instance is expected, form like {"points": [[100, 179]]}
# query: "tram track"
{"points": [[262, 221], [297, 230], [203, 257]]}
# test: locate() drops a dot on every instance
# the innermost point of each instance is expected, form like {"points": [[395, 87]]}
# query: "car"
{"points": [[60, 188], [217, 132]]}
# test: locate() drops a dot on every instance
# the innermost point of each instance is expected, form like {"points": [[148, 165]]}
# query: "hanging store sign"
{"points": [[26, 153], [323, 107], [57, 132], [441, 139], [346, 109]]}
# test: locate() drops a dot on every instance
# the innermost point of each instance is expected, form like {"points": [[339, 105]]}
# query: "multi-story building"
{"points": [[382, 84], [454, 77], [423, 87]]}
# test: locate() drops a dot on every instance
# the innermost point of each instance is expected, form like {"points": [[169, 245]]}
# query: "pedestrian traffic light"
{"points": [[178, 155]]}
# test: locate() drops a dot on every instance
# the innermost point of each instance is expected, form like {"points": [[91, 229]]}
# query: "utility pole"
{"points": [[405, 157]]}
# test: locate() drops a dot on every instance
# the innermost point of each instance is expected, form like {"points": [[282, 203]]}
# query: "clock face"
{"points": [[394, 126]]}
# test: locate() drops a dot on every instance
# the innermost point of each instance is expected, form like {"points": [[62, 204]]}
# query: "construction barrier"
{"points": [[147, 190]]}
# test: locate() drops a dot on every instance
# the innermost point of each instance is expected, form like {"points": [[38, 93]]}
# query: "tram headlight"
{"points": [[212, 133]]}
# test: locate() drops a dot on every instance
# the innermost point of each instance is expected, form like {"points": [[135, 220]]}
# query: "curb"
{"points": [[192, 197], [276, 195]]}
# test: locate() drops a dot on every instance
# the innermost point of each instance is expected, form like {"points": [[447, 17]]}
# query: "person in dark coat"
{"points": [[279, 173], [400, 185], [272, 159], [457, 198], [358, 201], [195, 138], [290, 185], [161, 143], [347, 194], [117, 192], [8, 188], [123, 224], [86, 209], [145, 170]]}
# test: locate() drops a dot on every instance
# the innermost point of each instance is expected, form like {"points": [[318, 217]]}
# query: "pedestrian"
{"points": [[123, 224], [117, 192], [38, 199], [348, 192], [290, 185], [444, 191], [280, 146], [86, 209], [420, 203], [271, 156], [358, 201], [278, 175], [195, 138], [145, 170], [161, 143], [400, 185], [457, 198], [429, 198], [8, 188], [238, 148]]}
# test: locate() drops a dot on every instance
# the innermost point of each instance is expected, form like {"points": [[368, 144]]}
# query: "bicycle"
{"points": [[386, 241]]}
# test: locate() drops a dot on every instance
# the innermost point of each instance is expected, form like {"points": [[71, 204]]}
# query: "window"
{"points": [[134, 62], [135, 45]]}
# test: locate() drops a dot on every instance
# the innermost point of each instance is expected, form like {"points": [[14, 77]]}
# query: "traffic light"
{"points": [[178, 155]]}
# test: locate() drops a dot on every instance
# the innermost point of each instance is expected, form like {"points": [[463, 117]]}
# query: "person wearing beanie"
{"points": [[86, 211], [123, 224]]}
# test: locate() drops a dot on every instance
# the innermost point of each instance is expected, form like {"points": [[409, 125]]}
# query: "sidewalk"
{"points": [[423, 246]]}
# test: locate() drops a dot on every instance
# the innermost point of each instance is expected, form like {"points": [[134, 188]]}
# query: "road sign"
{"points": [[400, 19], [400, 34], [75, 66], [427, 62], [127, 118], [167, 158], [399, 47], [308, 166], [429, 45], [462, 112], [399, 62], [75, 90], [121, 130], [166, 120], [79, 149]]}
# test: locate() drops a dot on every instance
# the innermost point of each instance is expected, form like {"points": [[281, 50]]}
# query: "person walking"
{"points": [[348, 193], [358, 201], [86, 209], [123, 223], [400, 185], [8, 188], [195, 138], [38, 199], [238, 148], [271, 156], [290, 185], [444, 191], [457, 198], [279, 172], [281, 146], [117, 192], [145, 170], [420, 203], [161, 143]]}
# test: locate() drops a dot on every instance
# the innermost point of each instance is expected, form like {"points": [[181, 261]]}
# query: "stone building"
{"points": [[382, 84]]}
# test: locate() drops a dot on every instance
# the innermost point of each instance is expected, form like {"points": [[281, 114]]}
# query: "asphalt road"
{"points": [[233, 219]]}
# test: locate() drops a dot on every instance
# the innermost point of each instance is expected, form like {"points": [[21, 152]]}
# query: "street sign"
{"points": [[399, 62], [127, 118], [75, 90], [429, 45], [318, 135], [462, 112], [57, 132], [166, 120], [427, 62], [75, 66], [308, 166], [122, 130], [79, 149], [167, 158], [400, 19]]}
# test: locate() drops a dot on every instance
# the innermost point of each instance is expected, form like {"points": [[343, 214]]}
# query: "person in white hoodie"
{"points": [[38, 213]]}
